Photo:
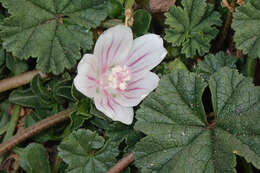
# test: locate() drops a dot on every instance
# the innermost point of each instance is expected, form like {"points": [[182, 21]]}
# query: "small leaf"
{"points": [[40, 91], [176, 64], [25, 98], [15, 65], [115, 8], [84, 151], [246, 23], [213, 63], [142, 21], [179, 138], [52, 31], [192, 26], [35, 159]]}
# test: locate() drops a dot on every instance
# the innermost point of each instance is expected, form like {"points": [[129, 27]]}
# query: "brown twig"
{"points": [[122, 164], [19, 80], [228, 21], [36, 128]]}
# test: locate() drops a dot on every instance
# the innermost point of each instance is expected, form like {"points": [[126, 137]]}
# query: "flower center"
{"points": [[118, 77]]}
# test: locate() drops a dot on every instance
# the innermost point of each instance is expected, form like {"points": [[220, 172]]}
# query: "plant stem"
{"points": [[3, 129], [19, 80], [11, 126], [122, 164], [56, 165], [250, 67], [12, 123], [34, 129], [227, 25]]}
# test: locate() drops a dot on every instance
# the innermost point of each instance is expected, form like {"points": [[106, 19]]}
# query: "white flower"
{"points": [[118, 74]]}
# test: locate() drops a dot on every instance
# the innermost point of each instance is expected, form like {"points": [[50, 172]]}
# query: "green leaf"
{"points": [[25, 98], [15, 65], [142, 21], [246, 23], [178, 135], [84, 151], [119, 132], [40, 91], [192, 26], [35, 159], [213, 63], [115, 8], [52, 31], [176, 64]]}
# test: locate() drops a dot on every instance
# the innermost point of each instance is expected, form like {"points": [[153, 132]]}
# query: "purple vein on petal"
{"points": [[138, 59]]}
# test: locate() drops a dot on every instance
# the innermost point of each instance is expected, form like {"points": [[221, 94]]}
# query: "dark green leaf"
{"points": [[142, 21], [119, 132], [179, 138], [246, 23], [115, 8], [52, 31], [213, 63], [25, 98], [192, 26], [85, 152], [40, 91], [35, 159], [76, 120], [15, 65]]}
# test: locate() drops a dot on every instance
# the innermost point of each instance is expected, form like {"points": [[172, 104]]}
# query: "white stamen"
{"points": [[118, 77]]}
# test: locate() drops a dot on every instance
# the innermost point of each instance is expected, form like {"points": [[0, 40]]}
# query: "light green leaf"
{"points": [[35, 159], [192, 26], [246, 23], [52, 31], [84, 151], [213, 63], [179, 138]]}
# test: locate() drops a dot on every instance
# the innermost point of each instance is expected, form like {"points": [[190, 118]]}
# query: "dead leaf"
{"points": [[160, 5]]}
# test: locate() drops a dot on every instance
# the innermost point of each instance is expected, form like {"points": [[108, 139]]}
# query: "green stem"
{"points": [[250, 67], [56, 165], [3, 129], [11, 126], [12, 123]]}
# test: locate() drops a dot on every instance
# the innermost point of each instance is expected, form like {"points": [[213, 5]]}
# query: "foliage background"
{"points": [[204, 116]]}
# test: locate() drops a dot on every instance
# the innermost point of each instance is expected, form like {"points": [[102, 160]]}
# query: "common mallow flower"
{"points": [[118, 74]]}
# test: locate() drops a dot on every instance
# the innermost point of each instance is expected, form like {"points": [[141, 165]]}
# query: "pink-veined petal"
{"points": [[146, 53], [87, 77], [138, 89], [113, 46], [114, 110]]}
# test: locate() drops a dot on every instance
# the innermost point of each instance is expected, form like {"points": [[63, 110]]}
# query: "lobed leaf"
{"points": [[52, 31], [192, 27], [179, 137], [84, 151], [34, 159], [246, 23], [213, 63]]}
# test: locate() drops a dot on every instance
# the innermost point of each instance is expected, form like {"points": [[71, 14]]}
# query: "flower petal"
{"points": [[87, 78], [138, 89], [113, 46], [114, 110], [146, 53]]}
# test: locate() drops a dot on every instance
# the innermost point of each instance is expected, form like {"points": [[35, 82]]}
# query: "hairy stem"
{"points": [[122, 164], [19, 80], [34, 129]]}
